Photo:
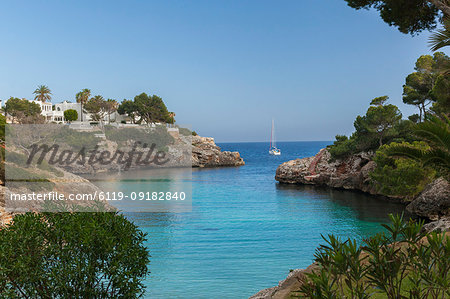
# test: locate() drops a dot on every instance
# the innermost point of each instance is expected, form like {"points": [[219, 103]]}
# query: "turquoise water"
{"points": [[246, 231]]}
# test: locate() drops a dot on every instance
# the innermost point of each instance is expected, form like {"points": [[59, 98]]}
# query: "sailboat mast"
{"points": [[274, 142], [271, 135]]}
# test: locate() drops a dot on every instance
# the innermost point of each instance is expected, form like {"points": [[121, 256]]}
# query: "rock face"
{"points": [[349, 173], [440, 225], [285, 287], [66, 184], [205, 153], [433, 202]]}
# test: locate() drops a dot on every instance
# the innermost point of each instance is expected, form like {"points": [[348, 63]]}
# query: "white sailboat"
{"points": [[273, 150]]}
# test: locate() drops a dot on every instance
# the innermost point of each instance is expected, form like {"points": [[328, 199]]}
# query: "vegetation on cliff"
{"points": [[436, 134], [401, 176], [411, 152], [402, 263]]}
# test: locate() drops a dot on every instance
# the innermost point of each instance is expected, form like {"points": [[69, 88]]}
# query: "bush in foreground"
{"points": [[404, 263], [72, 255]]}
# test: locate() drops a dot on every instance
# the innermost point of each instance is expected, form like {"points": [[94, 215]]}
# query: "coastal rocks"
{"points": [[56, 190], [350, 173], [434, 201], [440, 225], [205, 153], [286, 287], [5, 217]]}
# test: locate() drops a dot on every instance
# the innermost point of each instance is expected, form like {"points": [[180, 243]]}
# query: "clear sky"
{"points": [[225, 67]]}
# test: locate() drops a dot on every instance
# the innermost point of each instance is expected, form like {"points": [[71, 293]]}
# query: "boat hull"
{"points": [[275, 152]]}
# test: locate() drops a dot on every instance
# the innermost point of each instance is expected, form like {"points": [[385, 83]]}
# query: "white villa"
{"points": [[55, 113]]}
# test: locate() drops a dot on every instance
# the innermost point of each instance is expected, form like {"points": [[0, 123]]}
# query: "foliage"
{"points": [[418, 89], [23, 111], [436, 133], [415, 118], [380, 119], [147, 109], [400, 177], [151, 108], [342, 147], [110, 107], [72, 255], [409, 16], [441, 37], [2, 127], [43, 93], [96, 107], [399, 264], [83, 97], [194, 133], [129, 108], [441, 93], [382, 122], [71, 115]]}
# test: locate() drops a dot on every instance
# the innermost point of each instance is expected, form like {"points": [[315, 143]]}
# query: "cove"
{"points": [[245, 231]]}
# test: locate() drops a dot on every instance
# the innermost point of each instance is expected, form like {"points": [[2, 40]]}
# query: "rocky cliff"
{"points": [[350, 173], [205, 153], [65, 183], [353, 173]]}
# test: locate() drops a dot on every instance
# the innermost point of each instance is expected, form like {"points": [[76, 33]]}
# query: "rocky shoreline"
{"points": [[205, 153], [352, 173]]}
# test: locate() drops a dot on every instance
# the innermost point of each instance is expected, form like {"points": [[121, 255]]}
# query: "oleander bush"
{"points": [[402, 263], [72, 255]]}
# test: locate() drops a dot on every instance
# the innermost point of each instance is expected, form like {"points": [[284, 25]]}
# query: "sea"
{"points": [[245, 231]]}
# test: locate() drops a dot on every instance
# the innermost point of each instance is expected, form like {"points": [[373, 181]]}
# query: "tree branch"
{"points": [[442, 5]]}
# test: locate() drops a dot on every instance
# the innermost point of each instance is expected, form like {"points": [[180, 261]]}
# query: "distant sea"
{"points": [[246, 231]]}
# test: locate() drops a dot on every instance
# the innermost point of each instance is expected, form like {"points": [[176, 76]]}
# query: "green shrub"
{"points": [[71, 115], [72, 255], [342, 147], [398, 264], [400, 176]]}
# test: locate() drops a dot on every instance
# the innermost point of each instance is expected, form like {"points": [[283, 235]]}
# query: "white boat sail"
{"points": [[273, 150]]}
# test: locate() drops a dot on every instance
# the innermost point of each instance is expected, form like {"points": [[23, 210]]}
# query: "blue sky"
{"points": [[225, 67]]}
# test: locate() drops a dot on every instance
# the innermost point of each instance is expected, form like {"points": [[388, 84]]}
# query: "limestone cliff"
{"points": [[349, 173], [205, 153]]}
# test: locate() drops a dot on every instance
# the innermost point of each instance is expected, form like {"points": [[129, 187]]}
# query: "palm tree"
{"points": [[82, 98], [171, 117], [43, 93], [441, 37], [111, 106], [436, 133]]}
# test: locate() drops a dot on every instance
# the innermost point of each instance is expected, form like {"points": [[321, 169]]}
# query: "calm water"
{"points": [[246, 231]]}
